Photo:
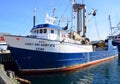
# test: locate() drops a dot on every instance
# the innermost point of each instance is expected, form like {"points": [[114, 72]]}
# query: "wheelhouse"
{"points": [[48, 31]]}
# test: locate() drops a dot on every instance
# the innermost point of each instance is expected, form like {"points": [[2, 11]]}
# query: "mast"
{"points": [[109, 18], [117, 28], [84, 20], [81, 18], [34, 17]]}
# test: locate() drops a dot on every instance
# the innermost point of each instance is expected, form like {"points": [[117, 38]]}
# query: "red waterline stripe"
{"points": [[71, 67]]}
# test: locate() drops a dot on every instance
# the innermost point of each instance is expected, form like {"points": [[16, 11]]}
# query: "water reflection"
{"points": [[107, 73], [104, 73], [73, 77]]}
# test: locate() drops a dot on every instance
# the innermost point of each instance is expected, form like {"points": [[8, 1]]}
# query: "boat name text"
{"points": [[38, 44]]}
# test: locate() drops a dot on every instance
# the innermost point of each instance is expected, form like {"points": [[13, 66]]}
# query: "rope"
{"points": [[67, 6], [62, 19], [95, 23]]}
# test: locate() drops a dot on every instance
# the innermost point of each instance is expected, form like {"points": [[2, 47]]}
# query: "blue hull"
{"points": [[36, 60]]}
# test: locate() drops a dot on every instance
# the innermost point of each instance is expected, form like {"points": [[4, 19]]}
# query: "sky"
{"points": [[16, 16]]}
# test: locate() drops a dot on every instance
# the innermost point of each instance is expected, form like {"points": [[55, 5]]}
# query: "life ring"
{"points": [[118, 39], [63, 35], [2, 38]]}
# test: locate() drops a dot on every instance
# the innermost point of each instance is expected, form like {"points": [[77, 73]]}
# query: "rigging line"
{"points": [[95, 23], [82, 1], [62, 15], [67, 6], [51, 8]]}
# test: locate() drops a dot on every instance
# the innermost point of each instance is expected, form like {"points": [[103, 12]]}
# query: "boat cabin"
{"points": [[115, 37], [48, 31]]}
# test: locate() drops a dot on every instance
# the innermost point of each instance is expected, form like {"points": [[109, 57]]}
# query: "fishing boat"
{"points": [[116, 41], [115, 34], [51, 48]]}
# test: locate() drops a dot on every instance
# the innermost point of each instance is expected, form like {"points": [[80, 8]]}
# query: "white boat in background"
{"points": [[3, 44]]}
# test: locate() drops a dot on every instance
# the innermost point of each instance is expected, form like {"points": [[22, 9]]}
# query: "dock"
{"points": [[5, 56], [7, 77]]}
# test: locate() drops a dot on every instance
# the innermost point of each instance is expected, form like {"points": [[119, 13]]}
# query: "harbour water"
{"points": [[104, 73]]}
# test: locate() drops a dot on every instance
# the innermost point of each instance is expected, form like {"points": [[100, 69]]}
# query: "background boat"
{"points": [[115, 34]]}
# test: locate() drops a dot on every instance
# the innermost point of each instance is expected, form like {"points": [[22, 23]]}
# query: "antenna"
{"points": [[54, 12], [49, 20]]}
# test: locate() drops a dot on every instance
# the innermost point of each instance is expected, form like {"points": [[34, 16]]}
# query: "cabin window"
{"points": [[45, 30], [41, 30], [37, 31], [52, 31]]}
